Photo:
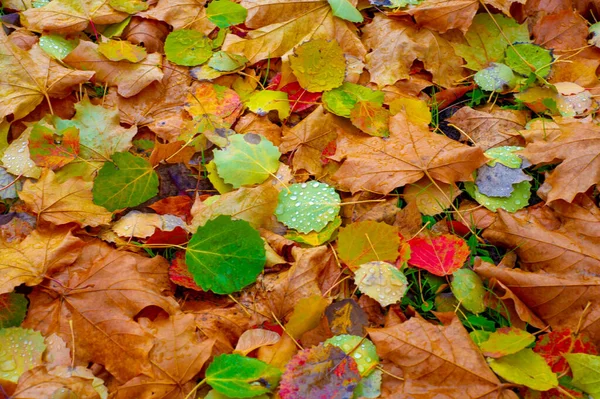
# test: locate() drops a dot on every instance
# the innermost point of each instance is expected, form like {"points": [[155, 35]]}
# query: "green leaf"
{"points": [[381, 281], [468, 288], [307, 206], [505, 155], [371, 118], [129, 6], [241, 377], [369, 386], [506, 341], [586, 372], [345, 10], [342, 100], [127, 181], [13, 308], [361, 349], [225, 13], [518, 56], [518, 199], [248, 159], [319, 65], [496, 77], [525, 368], [56, 46], [225, 255], [261, 102], [117, 29], [188, 47], [225, 62], [486, 43], [21, 350]]}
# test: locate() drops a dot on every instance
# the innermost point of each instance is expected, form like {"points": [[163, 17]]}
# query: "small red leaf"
{"points": [[180, 274], [440, 255], [554, 345]]}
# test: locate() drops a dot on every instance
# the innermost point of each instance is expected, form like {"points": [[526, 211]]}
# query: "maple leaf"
{"points": [[43, 383], [388, 37], [491, 127], [181, 14], [158, 106], [101, 293], [129, 78], [408, 155], [71, 16], [64, 202], [40, 253], [419, 347], [443, 15], [30, 77], [571, 33], [559, 250], [176, 357], [558, 300], [576, 145]]}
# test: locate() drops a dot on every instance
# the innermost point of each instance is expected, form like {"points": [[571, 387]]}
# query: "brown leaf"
{"points": [[562, 302], [576, 145], [566, 30], [101, 293], [384, 211], [64, 202], [396, 44], [409, 154], [30, 76], [440, 359], [130, 79], [307, 140], [252, 123], [177, 357], [561, 251], [490, 127], [148, 32], [41, 383], [64, 16], [443, 15], [159, 106], [42, 252], [181, 14]]}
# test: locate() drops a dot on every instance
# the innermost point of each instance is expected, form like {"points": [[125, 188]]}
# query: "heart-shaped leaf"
{"points": [[440, 255], [307, 206]]}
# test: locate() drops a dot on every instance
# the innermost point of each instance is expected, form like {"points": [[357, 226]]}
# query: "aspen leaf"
{"points": [[225, 13], [21, 350], [118, 50], [468, 288], [13, 307], [586, 374], [129, 6], [261, 102], [368, 241], [526, 368], [361, 349], [187, 47], [343, 99], [381, 281], [506, 341], [319, 65], [440, 255], [53, 148], [57, 46], [345, 10]]}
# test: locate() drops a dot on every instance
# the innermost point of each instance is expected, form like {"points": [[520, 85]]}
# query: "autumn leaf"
{"points": [[418, 347], [440, 255], [554, 345], [39, 253], [170, 11], [102, 307], [410, 154], [30, 77], [368, 241]]}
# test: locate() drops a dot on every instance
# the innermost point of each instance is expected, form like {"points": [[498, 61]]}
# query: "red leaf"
{"points": [[179, 205], [299, 98], [440, 255], [177, 236], [554, 345], [180, 274]]}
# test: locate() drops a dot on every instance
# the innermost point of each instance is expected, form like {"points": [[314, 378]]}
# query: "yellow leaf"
{"points": [[417, 111], [430, 200]]}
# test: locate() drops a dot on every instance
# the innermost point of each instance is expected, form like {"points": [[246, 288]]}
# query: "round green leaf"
{"points": [[319, 65], [241, 377], [496, 77], [342, 100], [518, 199], [316, 238], [505, 155], [13, 308], [586, 372], [125, 182], [381, 281], [361, 349], [188, 47], [225, 255], [525, 368], [307, 206], [56, 46], [118, 50], [129, 6], [21, 350], [345, 10], [248, 159], [225, 13], [468, 288], [522, 57]]}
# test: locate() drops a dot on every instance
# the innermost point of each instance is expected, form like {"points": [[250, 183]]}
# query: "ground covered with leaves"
{"points": [[299, 199]]}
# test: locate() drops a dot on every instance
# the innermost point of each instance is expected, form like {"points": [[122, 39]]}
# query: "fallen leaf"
{"points": [[346, 317], [119, 50], [170, 11], [565, 30], [367, 241], [319, 65], [101, 293], [419, 347], [525, 368], [381, 281], [440, 255], [254, 339], [506, 341], [22, 351], [431, 199], [554, 345], [13, 308], [42, 383], [63, 202]]}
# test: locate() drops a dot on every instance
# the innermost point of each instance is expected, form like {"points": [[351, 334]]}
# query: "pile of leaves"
{"points": [[299, 199]]}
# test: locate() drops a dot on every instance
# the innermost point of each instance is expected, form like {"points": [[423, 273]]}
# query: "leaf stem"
{"points": [[194, 389]]}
